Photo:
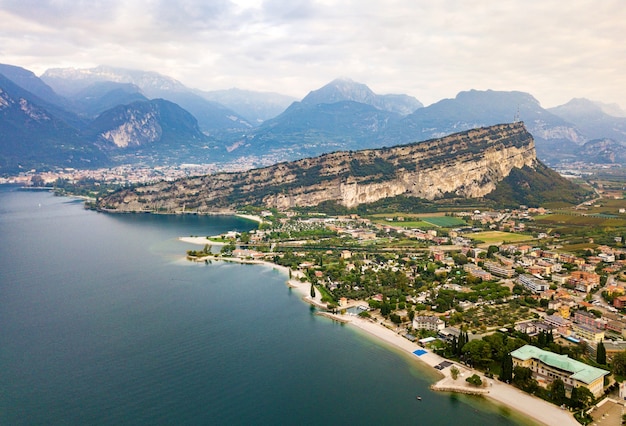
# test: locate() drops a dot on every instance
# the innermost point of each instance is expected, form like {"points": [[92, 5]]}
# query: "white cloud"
{"points": [[427, 49]]}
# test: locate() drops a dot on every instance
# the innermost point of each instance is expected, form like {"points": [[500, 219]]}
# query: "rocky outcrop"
{"points": [[467, 164]]}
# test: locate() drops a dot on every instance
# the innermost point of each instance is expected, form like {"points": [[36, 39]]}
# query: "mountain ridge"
{"points": [[466, 165]]}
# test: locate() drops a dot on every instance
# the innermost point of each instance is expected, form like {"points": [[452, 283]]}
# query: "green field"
{"points": [[420, 224], [580, 220], [494, 237], [445, 221]]}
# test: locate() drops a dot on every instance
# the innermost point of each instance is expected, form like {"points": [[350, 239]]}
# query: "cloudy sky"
{"points": [[553, 49]]}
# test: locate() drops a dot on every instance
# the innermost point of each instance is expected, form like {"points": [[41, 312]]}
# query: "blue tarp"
{"points": [[419, 352]]}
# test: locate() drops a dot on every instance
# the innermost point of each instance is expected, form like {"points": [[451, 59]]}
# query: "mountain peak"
{"points": [[28, 80], [148, 81], [344, 89], [338, 90], [587, 105]]}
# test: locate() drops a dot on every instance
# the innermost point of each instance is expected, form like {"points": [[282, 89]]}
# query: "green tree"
{"points": [[523, 379], [385, 309], [618, 366], [312, 290], [477, 353], [506, 374], [454, 372], [581, 397], [557, 391], [474, 380], [601, 353]]}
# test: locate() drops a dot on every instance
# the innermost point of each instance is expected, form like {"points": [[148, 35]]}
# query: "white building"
{"points": [[532, 283], [429, 322]]}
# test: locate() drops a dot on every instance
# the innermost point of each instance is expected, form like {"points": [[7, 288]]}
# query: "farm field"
{"points": [[560, 219], [444, 221], [494, 237], [420, 224]]}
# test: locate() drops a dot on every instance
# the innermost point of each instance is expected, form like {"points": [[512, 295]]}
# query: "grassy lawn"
{"points": [[419, 224], [217, 239], [414, 224], [405, 215], [444, 221], [492, 237]]}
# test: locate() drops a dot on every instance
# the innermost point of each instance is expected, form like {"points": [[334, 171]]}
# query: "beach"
{"points": [[528, 406], [201, 241], [251, 217]]}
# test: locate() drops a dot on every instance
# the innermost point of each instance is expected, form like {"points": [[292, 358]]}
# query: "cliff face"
{"points": [[467, 164]]}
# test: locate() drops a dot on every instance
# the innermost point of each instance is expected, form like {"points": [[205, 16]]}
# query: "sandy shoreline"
{"points": [[257, 219], [200, 241], [527, 406]]}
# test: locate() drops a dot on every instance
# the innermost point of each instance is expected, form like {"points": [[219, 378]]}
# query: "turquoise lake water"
{"points": [[103, 321]]}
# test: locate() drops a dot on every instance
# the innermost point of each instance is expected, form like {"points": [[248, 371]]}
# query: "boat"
{"points": [[419, 398]]}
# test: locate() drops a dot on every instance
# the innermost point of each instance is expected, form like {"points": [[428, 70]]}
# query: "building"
{"points": [[560, 324], [247, 254], [591, 334], [619, 302], [588, 319], [477, 272], [547, 367], [560, 279], [499, 270], [612, 348], [449, 333], [584, 281], [532, 283], [428, 322]]}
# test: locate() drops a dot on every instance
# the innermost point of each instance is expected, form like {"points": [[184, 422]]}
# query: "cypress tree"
{"points": [[507, 368], [312, 290], [601, 354]]}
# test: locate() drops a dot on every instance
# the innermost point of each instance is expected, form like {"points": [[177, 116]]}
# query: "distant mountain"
{"points": [[256, 107], [344, 89], [307, 129], [69, 81], [32, 135], [325, 121], [342, 115], [29, 81], [211, 115], [611, 109], [592, 120], [143, 123], [555, 137], [99, 97], [604, 151]]}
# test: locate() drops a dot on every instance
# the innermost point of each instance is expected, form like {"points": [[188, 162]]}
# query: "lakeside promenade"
{"points": [[527, 406]]}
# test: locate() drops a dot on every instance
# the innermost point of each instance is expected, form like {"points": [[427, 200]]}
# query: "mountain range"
{"points": [[104, 115]]}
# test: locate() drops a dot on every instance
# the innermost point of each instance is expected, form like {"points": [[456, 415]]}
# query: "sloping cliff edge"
{"points": [[467, 164]]}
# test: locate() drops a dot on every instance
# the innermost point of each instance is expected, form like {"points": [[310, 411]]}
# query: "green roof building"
{"points": [[548, 366]]}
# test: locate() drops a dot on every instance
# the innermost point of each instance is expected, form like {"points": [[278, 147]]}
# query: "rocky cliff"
{"points": [[467, 164]]}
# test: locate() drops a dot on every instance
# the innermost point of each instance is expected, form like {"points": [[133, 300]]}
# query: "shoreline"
{"points": [[201, 241], [498, 393], [251, 217]]}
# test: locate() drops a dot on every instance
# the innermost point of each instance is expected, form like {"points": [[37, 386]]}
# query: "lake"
{"points": [[103, 321]]}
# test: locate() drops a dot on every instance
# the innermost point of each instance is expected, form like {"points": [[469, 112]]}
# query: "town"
{"points": [[532, 296]]}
